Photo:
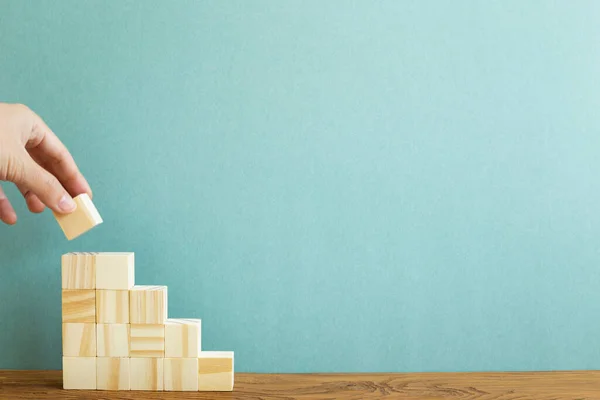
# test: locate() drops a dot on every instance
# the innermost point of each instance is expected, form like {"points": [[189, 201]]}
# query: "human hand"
{"points": [[36, 161]]}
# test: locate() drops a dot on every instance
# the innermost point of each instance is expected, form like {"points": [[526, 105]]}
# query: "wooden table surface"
{"points": [[577, 385]]}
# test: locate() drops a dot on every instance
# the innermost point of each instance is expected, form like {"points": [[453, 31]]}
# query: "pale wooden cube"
{"points": [[181, 374], [79, 340], [147, 340], [112, 306], [183, 338], [79, 373], [112, 340], [78, 271], [215, 371], [112, 373], [148, 305], [84, 218], [115, 271], [79, 306], [147, 374]]}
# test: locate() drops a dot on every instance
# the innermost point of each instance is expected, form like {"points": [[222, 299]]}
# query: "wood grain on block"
{"points": [[215, 371], [80, 221], [78, 271], [148, 305], [79, 305], [112, 306], [79, 373], [115, 271], [112, 373], [147, 340], [181, 374], [79, 340], [112, 340], [182, 338], [147, 373]]}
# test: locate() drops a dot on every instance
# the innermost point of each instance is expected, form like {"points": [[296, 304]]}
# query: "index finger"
{"points": [[47, 149]]}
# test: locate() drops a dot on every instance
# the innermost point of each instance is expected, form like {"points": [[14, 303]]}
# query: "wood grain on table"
{"points": [[576, 385]]}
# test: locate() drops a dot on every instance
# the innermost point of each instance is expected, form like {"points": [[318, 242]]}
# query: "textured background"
{"points": [[330, 186]]}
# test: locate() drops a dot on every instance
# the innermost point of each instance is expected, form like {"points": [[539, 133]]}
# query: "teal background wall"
{"points": [[330, 185]]}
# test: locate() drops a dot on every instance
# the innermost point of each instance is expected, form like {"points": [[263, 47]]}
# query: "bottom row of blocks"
{"points": [[211, 372]]}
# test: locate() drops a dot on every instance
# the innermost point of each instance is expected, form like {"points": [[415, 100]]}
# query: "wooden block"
{"points": [[148, 305], [79, 340], [80, 221], [78, 271], [112, 306], [181, 374], [215, 371], [182, 338], [79, 373], [112, 373], [147, 340], [147, 374], [115, 271], [112, 340], [79, 305]]}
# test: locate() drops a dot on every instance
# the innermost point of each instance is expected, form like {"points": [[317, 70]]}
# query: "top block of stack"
{"points": [[112, 271]]}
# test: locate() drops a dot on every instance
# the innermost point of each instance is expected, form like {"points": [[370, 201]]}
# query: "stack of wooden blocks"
{"points": [[117, 335]]}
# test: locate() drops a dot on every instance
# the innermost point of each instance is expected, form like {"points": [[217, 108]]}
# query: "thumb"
{"points": [[46, 187]]}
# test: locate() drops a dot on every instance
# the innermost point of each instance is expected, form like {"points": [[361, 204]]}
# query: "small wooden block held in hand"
{"points": [[148, 305], [84, 218], [112, 340], [147, 340], [215, 371], [182, 338], [79, 373], [78, 271], [147, 373], [79, 340], [115, 271], [79, 306], [181, 374], [112, 306], [113, 373]]}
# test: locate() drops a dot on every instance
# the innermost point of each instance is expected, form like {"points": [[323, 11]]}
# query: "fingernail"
{"points": [[66, 204]]}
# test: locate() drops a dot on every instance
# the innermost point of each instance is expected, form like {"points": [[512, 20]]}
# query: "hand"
{"points": [[35, 160]]}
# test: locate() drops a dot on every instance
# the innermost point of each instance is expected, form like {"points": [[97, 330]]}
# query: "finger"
{"points": [[34, 204], [75, 187], [7, 212], [46, 187], [47, 149]]}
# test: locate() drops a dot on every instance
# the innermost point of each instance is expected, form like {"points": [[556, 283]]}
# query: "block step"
{"points": [[117, 335]]}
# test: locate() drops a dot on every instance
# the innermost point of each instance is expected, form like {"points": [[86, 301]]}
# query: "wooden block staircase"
{"points": [[117, 335]]}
